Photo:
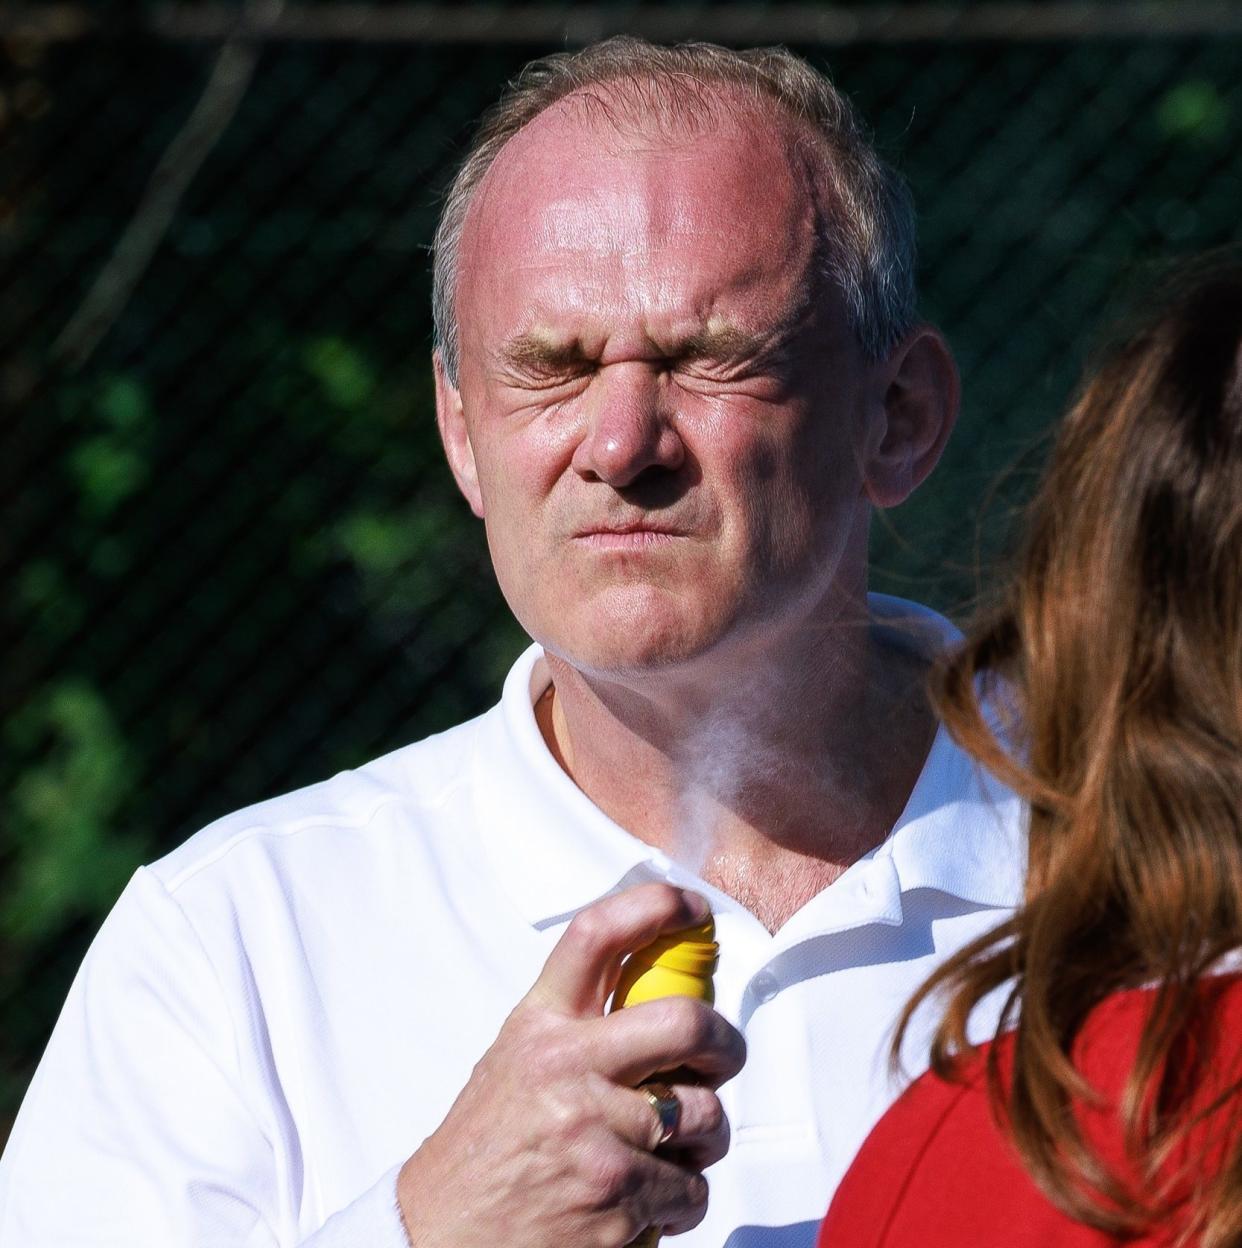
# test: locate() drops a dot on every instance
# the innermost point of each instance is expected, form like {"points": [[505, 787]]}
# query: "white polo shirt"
{"points": [[275, 1015]]}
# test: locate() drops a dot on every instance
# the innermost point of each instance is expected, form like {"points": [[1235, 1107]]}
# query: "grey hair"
{"points": [[869, 244]]}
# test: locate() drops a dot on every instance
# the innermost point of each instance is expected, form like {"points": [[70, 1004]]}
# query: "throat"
{"points": [[774, 890], [770, 808]]}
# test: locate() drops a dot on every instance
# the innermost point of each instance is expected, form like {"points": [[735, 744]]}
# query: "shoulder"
{"points": [[351, 823], [1107, 1046], [937, 1171]]}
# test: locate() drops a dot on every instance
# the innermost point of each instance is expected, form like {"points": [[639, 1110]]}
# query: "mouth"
{"points": [[638, 535]]}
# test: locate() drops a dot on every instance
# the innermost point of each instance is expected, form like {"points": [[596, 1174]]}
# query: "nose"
{"points": [[629, 430]]}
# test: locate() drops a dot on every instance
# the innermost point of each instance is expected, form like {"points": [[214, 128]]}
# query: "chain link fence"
{"points": [[233, 561]]}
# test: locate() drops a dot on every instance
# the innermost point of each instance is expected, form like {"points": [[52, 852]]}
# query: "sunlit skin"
{"points": [[675, 444]]}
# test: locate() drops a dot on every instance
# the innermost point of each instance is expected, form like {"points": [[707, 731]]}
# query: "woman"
{"points": [[1109, 1108]]}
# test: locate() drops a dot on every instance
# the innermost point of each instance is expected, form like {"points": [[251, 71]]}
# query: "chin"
{"points": [[626, 642]]}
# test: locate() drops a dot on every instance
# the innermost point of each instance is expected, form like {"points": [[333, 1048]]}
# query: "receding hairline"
{"points": [[867, 234], [619, 105], [634, 108]]}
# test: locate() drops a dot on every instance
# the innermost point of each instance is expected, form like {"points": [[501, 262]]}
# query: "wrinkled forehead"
{"points": [[609, 180]]}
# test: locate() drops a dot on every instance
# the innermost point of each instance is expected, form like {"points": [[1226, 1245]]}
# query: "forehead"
{"points": [[583, 213]]}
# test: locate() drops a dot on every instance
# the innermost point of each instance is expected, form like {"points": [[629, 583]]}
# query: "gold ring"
{"points": [[664, 1101]]}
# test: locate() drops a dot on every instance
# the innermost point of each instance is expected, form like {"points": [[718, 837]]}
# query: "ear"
{"points": [[456, 437], [919, 409]]}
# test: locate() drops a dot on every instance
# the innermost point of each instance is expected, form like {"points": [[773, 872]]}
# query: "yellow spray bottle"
{"points": [[678, 964]]}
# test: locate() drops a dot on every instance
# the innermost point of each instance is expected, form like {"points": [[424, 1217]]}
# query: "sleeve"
{"points": [[136, 1131]]}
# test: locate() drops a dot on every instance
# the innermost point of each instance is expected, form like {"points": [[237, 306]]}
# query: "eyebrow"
{"points": [[537, 351], [725, 342]]}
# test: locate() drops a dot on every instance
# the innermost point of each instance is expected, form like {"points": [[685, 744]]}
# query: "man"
{"points": [[677, 367]]}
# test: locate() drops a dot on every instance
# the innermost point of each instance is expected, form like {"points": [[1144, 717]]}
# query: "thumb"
{"points": [[584, 966]]}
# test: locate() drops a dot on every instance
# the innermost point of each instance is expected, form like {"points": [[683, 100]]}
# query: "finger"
{"points": [[700, 1138], [702, 1135], [637, 1043], [664, 1194], [583, 968]]}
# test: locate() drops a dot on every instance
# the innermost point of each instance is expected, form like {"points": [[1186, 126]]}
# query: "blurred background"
{"points": [[233, 562]]}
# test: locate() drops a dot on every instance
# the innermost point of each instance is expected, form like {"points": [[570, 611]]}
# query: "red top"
{"points": [[936, 1172]]}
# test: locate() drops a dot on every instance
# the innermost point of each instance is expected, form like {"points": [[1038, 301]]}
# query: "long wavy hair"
{"points": [[1118, 648]]}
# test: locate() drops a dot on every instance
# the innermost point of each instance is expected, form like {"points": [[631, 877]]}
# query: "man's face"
{"points": [[661, 411]]}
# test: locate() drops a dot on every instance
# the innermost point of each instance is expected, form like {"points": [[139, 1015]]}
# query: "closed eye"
{"points": [[727, 354], [529, 379], [766, 373], [720, 356], [532, 362]]}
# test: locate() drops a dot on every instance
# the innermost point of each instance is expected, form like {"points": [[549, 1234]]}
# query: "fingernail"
{"points": [[698, 904]]}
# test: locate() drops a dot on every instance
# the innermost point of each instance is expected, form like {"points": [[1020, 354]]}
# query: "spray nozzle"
{"points": [[677, 964]]}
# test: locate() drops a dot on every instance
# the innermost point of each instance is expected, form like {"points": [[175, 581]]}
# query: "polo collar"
{"points": [[960, 831], [553, 849]]}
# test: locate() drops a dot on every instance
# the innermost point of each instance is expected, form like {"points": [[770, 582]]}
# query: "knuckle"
{"points": [[659, 901], [589, 928], [715, 1148], [616, 1229], [543, 1045], [552, 1055], [693, 1021], [611, 1179], [730, 1048], [737, 1046], [670, 898], [696, 1192], [570, 1118], [692, 1205], [714, 1119]]}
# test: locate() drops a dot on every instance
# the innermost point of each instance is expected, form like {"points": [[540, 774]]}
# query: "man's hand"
{"points": [[549, 1143]]}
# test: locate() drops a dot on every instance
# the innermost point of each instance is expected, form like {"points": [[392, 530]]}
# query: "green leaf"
{"points": [[69, 858], [107, 471], [1195, 111], [378, 544], [344, 374], [44, 592], [124, 403]]}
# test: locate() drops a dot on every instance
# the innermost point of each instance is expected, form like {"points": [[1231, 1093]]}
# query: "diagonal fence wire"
{"points": [[233, 560]]}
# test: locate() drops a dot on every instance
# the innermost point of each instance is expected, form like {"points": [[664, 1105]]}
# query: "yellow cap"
{"points": [[678, 964]]}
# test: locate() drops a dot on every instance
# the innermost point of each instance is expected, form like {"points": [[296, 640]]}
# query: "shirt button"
{"points": [[764, 986]]}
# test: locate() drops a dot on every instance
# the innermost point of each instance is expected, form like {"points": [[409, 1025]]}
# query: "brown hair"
{"points": [[1118, 644], [870, 243]]}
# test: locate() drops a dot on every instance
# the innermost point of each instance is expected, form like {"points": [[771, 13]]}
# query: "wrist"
{"points": [[409, 1201]]}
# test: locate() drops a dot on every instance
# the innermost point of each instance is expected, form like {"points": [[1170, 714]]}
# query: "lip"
{"points": [[636, 536]]}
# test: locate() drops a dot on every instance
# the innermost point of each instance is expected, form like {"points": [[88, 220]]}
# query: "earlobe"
{"points": [[456, 437], [919, 410]]}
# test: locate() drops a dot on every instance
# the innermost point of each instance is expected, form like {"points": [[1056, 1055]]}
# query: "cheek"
{"points": [[827, 462], [519, 475], [518, 464], [799, 497]]}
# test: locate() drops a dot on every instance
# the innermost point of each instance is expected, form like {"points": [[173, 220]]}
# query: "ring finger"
{"points": [[700, 1135]]}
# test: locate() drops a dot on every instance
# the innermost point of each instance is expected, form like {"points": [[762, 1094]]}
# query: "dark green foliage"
{"points": [[233, 560]]}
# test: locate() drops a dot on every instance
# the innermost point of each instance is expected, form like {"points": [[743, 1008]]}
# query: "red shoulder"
{"points": [[938, 1171], [877, 1187], [1195, 1089]]}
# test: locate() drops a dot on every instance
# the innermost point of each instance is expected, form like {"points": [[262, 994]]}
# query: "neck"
{"points": [[768, 770]]}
